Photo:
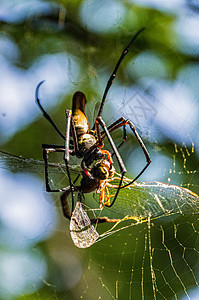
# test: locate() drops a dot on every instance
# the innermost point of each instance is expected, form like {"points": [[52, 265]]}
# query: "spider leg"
{"points": [[109, 155], [104, 197], [67, 136], [66, 209], [112, 77], [101, 220], [50, 146], [44, 112], [108, 196], [118, 157], [46, 151], [99, 136], [113, 127], [67, 150], [101, 200], [74, 135], [107, 133], [143, 147], [121, 123], [54, 148], [67, 213], [118, 189], [124, 137]]}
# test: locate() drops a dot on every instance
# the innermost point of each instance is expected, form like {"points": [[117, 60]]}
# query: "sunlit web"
{"points": [[152, 251]]}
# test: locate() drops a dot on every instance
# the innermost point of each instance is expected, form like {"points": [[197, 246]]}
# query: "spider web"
{"points": [[151, 255], [152, 252]]}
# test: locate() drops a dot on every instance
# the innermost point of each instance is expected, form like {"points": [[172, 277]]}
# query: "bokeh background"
{"points": [[74, 45]]}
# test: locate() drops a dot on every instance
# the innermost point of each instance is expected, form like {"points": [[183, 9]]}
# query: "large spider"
{"points": [[97, 171]]}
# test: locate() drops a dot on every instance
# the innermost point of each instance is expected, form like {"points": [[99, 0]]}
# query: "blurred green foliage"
{"points": [[110, 267]]}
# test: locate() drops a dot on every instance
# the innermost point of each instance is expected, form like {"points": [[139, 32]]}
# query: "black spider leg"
{"points": [[67, 142], [74, 135], [122, 123], [44, 112], [112, 77], [54, 148], [46, 151], [69, 129], [107, 133], [118, 157], [112, 128]]}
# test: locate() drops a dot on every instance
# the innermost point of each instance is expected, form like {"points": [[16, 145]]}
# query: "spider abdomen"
{"points": [[79, 115]]}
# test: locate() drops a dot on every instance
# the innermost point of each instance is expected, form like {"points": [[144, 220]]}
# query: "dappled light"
{"points": [[145, 246]]}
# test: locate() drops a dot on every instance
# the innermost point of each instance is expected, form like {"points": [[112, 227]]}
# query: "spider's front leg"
{"points": [[45, 114], [121, 122], [100, 122]]}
